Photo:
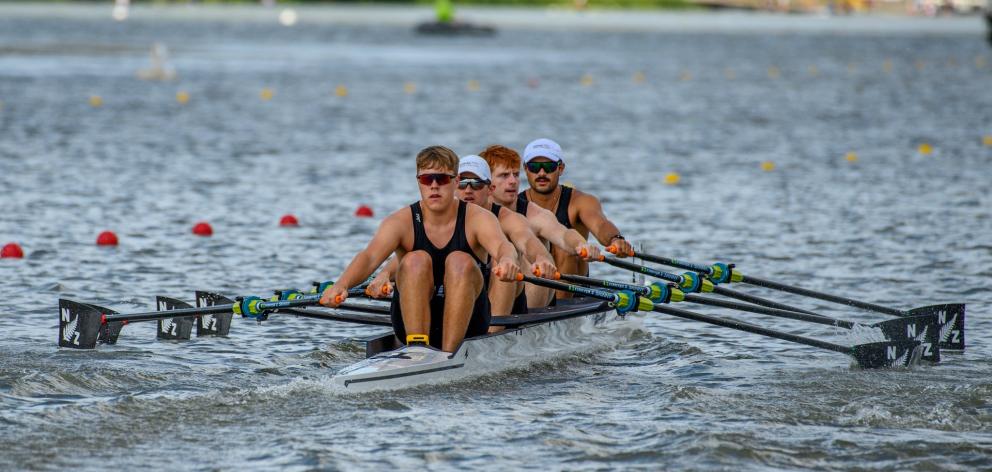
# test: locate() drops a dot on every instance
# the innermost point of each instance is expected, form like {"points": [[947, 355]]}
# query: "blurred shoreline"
{"points": [[521, 18]]}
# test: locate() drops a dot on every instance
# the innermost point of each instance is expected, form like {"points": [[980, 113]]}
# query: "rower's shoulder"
{"points": [[581, 197], [537, 211], [400, 216]]}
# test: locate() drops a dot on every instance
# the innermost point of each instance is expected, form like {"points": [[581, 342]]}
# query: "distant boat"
{"points": [[447, 25], [160, 68]]}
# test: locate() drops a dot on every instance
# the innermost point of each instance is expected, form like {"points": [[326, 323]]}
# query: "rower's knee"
{"points": [[416, 263], [461, 266]]}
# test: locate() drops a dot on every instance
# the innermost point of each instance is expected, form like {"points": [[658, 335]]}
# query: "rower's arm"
{"points": [[591, 215], [517, 228], [386, 240], [548, 227], [490, 236]]}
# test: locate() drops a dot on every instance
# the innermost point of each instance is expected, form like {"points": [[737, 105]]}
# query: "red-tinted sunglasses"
{"points": [[429, 179]]}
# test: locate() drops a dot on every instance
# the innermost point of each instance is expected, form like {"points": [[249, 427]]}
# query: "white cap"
{"points": [[542, 148], [475, 165]]}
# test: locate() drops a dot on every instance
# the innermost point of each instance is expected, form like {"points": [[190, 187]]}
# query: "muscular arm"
{"points": [[485, 227], [386, 240], [518, 229], [547, 226], [591, 215]]}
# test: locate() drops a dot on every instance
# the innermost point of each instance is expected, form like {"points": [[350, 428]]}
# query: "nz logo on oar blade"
{"points": [[70, 332], [921, 337]]}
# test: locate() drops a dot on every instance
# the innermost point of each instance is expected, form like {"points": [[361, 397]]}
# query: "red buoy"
{"points": [[106, 238], [364, 211], [12, 250], [288, 220], [202, 229]]}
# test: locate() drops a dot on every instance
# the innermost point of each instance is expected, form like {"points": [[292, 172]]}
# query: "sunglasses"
{"points": [[549, 166], [476, 184], [429, 179]]}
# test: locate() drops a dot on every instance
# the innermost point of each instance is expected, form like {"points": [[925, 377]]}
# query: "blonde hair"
{"points": [[497, 155], [438, 157]]}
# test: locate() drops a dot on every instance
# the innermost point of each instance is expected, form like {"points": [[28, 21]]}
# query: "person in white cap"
{"points": [[474, 186], [543, 161], [505, 165]]}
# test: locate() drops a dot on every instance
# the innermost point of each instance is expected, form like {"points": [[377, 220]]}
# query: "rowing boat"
{"points": [[578, 325]]}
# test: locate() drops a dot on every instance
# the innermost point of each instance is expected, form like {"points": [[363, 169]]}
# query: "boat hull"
{"points": [[594, 325]]}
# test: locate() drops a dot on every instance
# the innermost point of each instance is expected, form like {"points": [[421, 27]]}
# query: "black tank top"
{"points": [[458, 242], [561, 213]]}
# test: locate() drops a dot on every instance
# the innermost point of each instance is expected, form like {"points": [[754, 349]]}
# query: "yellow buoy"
{"points": [[774, 73], [266, 94], [925, 149], [409, 88], [341, 91], [813, 71], [672, 178], [768, 166], [568, 183], [729, 73], [182, 97], [473, 85], [639, 77], [887, 66], [96, 101], [686, 76], [851, 157], [987, 140], [586, 80]]}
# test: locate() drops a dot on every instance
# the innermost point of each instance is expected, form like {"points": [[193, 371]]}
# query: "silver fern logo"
{"points": [[208, 322], [947, 333], [69, 327], [168, 327]]}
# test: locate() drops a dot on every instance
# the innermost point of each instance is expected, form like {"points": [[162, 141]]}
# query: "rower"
{"points": [[474, 186], [567, 242], [573, 208], [441, 243]]}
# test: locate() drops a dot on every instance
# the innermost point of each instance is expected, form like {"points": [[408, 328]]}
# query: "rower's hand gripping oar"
{"points": [[899, 329], [949, 317], [867, 355]]}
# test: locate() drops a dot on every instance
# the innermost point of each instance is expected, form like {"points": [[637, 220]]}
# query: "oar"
{"points": [[82, 325], [867, 355], [950, 316], [906, 329]]}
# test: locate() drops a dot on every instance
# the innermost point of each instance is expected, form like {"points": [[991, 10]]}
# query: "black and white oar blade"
{"points": [[922, 328], [886, 354], [79, 325], [213, 324], [950, 317], [111, 330], [178, 328]]}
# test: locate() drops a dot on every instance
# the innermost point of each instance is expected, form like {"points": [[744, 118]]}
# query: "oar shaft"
{"points": [[820, 295], [750, 328], [589, 292], [792, 315], [757, 300], [155, 315], [644, 270], [638, 289], [675, 263]]}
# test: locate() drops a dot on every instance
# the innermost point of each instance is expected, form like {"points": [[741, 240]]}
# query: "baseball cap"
{"points": [[475, 165], [542, 148]]}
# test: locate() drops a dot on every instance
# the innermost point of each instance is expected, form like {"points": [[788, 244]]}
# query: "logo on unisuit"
{"points": [[69, 333]]}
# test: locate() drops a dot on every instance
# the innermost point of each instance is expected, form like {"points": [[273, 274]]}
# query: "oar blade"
{"points": [[178, 328], [950, 318], [218, 324], [886, 354], [922, 328], [79, 325], [111, 330]]}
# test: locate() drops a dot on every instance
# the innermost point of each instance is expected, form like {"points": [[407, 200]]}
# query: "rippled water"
{"points": [[896, 227]]}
